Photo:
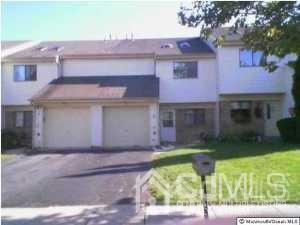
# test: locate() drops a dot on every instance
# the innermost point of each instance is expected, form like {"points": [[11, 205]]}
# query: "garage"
{"points": [[97, 111], [67, 127], [126, 126]]}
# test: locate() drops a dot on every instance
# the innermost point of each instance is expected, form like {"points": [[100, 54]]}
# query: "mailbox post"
{"points": [[204, 166]]}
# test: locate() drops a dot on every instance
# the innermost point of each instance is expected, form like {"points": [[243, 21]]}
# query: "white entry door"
{"points": [[167, 125], [273, 113]]}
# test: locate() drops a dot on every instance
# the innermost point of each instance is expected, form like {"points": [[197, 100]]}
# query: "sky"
{"points": [[91, 20]]}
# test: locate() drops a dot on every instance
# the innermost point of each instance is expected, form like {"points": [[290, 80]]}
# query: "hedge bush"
{"points": [[11, 139], [289, 129], [246, 136]]}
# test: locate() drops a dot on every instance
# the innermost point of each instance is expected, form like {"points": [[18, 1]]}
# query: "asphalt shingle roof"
{"points": [[100, 87], [178, 46], [10, 44]]}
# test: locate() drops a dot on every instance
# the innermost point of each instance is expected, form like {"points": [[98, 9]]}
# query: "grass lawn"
{"points": [[253, 160], [5, 156]]}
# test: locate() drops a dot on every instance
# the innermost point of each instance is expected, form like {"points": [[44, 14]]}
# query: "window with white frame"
{"points": [[250, 58], [185, 69], [241, 111], [168, 119], [19, 119], [194, 117], [24, 72], [23, 119]]}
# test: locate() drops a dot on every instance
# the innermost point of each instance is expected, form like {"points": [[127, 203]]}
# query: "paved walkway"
{"points": [[125, 215]]}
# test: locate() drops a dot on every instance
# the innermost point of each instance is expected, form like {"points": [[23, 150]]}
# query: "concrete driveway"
{"points": [[67, 178]]}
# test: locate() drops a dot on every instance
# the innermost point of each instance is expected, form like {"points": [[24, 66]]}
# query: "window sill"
{"points": [[188, 78]]}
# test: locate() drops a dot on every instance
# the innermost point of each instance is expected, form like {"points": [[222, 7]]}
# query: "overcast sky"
{"points": [[91, 20]]}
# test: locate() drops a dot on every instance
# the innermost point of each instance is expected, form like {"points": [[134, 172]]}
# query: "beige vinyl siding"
{"points": [[126, 126], [67, 127]]}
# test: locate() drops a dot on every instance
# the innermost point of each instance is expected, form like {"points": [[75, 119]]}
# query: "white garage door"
{"points": [[126, 126], [67, 127]]}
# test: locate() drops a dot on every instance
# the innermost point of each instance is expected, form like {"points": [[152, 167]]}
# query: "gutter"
{"points": [[187, 56], [109, 56], [29, 59], [94, 100]]}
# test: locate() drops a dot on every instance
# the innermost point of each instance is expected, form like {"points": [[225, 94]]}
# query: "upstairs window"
{"points": [[249, 58], [185, 70], [24, 72], [194, 117]]}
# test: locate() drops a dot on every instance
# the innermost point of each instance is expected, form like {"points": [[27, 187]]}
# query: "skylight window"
{"points": [[167, 45], [58, 48], [185, 45], [42, 48]]}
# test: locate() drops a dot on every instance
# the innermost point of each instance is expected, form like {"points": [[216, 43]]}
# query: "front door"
{"points": [[273, 113], [167, 125]]}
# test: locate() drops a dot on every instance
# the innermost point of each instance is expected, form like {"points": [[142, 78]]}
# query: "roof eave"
{"points": [[187, 56], [38, 101], [109, 56], [233, 43], [29, 59]]}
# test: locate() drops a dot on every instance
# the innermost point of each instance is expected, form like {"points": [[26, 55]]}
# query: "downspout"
{"points": [[59, 64], [217, 107], [158, 105]]}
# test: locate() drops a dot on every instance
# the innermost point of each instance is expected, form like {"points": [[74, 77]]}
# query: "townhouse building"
{"points": [[142, 92]]}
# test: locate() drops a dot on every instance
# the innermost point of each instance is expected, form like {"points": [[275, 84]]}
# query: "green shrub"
{"points": [[289, 129], [228, 138], [247, 136], [11, 139]]}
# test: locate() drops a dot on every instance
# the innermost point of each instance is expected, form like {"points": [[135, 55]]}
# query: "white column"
{"points": [[154, 124], [38, 135], [97, 125]]}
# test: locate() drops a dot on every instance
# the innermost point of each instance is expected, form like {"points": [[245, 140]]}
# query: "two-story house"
{"points": [[110, 93]]}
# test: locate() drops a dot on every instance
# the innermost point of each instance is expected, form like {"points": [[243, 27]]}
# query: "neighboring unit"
{"points": [[124, 93]]}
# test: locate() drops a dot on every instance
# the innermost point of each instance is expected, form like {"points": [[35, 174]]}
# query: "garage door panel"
{"points": [[126, 126], [67, 127]]}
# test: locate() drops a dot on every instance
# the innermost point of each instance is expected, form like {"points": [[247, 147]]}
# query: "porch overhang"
{"points": [[100, 89]]}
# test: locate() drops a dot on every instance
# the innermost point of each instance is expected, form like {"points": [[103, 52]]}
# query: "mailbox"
{"points": [[204, 165]]}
